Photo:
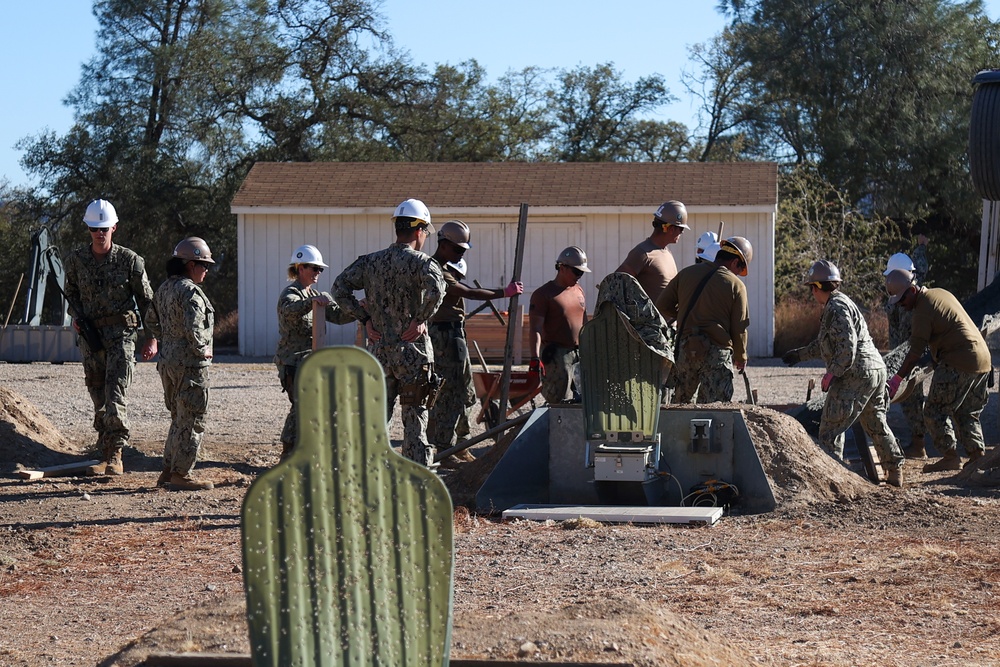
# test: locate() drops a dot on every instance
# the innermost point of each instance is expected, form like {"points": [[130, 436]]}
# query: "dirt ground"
{"points": [[107, 571]]}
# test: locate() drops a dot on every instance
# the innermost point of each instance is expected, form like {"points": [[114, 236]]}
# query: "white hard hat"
{"points": [[710, 252], [100, 214], [460, 267], [414, 208], [705, 241], [899, 262], [307, 254]]}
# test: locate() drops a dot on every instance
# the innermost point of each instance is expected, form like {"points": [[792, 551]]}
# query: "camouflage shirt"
{"points": [[115, 285], [921, 264], [400, 284], [183, 319], [295, 321], [843, 343]]}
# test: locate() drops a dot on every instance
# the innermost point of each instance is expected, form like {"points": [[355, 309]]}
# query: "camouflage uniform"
{"points": [[295, 340], [921, 264], [858, 389], [448, 421], [900, 321], [107, 292], [957, 398], [401, 285], [183, 319]]}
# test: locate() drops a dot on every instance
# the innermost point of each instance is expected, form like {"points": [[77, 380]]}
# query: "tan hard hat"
{"points": [[671, 213], [195, 249], [739, 246], [574, 256], [457, 232], [821, 272], [897, 282]]}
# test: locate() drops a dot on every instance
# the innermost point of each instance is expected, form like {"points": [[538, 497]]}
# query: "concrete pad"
{"points": [[616, 514]]}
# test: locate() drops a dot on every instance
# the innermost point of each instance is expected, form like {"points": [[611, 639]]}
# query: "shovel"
{"points": [[751, 395]]}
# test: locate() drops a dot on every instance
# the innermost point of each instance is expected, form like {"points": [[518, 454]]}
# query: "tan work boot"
{"points": [[895, 477], [115, 466], [916, 450], [974, 456], [164, 477], [950, 461], [179, 482]]}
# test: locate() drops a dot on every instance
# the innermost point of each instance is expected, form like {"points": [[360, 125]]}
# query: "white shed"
{"points": [[605, 208]]}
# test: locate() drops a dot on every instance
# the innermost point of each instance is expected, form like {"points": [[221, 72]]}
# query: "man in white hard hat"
{"points": [[295, 327], [900, 321], [855, 372], [403, 289], [447, 331], [710, 305], [958, 391], [108, 295], [557, 311], [650, 262]]}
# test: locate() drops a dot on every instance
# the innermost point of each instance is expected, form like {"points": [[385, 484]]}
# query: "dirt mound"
{"points": [[27, 438], [625, 630], [799, 472]]}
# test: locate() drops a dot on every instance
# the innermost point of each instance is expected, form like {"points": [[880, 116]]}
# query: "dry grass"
{"points": [[227, 329], [796, 323]]}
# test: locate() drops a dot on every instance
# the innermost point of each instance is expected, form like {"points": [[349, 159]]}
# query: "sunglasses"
{"points": [[99, 230], [317, 269]]}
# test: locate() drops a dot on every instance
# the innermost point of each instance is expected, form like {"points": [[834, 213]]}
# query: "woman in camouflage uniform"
{"points": [[295, 321], [855, 379], [183, 320]]}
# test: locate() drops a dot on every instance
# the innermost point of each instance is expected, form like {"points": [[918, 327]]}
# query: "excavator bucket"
{"points": [[347, 546]]}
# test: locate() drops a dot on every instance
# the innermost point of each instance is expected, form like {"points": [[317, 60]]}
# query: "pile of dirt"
{"points": [[799, 472], [27, 438]]}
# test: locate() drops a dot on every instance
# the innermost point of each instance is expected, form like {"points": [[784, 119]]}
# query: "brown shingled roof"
{"points": [[501, 184]]}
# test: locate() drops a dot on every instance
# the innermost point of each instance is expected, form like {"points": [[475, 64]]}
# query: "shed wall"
{"points": [[266, 242]]}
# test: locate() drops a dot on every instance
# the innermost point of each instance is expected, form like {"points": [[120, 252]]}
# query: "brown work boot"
{"points": [[974, 455], [179, 482], [895, 477], [916, 450], [164, 477], [950, 461], [114, 464]]}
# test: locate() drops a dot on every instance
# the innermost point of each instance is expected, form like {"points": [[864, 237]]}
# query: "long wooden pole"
{"points": [[512, 310]]}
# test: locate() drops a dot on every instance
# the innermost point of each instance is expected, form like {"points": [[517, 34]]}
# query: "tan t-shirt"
{"points": [[452, 308], [654, 267], [564, 310], [939, 321]]}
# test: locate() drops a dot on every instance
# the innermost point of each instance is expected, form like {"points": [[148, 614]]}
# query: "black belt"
{"points": [[448, 326]]}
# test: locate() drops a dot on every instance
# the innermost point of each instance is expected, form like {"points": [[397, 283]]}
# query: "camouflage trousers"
{"points": [[708, 375], [451, 362], [859, 396], [289, 434], [406, 364], [561, 364], [185, 391], [962, 397], [913, 411], [108, 375]]}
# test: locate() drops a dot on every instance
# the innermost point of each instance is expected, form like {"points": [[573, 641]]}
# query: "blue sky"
{"points": [[43, 43]]}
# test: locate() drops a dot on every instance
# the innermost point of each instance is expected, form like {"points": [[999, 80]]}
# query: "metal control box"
{"points": [[618, 465]]}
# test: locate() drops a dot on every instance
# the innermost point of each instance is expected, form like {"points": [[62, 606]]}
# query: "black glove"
{"points": [[791, 357]]}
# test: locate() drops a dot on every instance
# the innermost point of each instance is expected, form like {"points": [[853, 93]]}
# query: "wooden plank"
{"points": [[57, 471], [616, 514]]}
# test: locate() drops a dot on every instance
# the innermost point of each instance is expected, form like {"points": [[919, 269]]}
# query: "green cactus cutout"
{"points": [[347, 546]]}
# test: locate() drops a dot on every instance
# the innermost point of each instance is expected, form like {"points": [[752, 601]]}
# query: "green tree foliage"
{"points": [[596, 117], [818, 221], [877, 95]]}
